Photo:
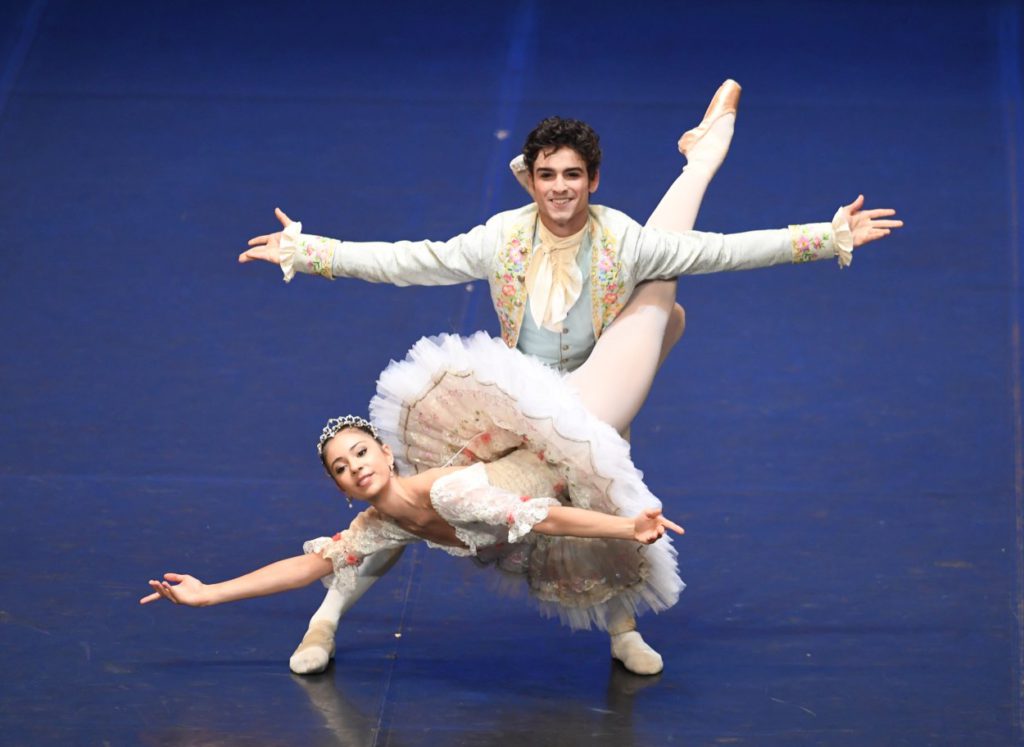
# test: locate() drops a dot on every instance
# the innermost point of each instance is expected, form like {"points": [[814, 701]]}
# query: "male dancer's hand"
{"points": [[867, 225], [268, 247]]}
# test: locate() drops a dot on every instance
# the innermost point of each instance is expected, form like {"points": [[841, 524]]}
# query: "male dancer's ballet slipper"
{"points": [[634, 653], [314, 653], [707, 143], [521, 173]]}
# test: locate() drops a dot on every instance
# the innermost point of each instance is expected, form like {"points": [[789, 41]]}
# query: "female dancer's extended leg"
{"points": [[652, 322]]}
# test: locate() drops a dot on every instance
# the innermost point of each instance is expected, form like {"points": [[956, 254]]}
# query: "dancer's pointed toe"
{"points": [[726, 101]]}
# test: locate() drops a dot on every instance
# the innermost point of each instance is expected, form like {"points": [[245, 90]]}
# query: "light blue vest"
{"points": [[566, 351]]}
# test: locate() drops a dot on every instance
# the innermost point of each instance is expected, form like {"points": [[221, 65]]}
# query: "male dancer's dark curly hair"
{"points": [[554, 133]]}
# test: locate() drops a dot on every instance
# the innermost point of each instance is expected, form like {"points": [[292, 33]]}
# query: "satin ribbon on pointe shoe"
{"points": [[725, 101]]}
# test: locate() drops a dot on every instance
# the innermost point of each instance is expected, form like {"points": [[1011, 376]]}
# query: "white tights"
{"points": [[649, 325]]}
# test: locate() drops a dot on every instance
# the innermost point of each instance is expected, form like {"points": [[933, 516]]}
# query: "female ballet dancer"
{"points": [[499, 460]]}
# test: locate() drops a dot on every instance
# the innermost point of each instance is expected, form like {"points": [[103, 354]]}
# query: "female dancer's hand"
{"points": [[268, 247], [867, 225], [187, 590], [649, 526]]}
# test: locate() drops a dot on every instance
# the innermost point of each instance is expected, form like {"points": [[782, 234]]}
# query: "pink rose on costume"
{"points": [[524, 498], [605, 263], [507, 278], [510, 519], [610, 298], [508, 289], [351, 559], [336, 537]]}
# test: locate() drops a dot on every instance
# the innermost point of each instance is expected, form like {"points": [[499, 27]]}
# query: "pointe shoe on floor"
{"points": [[635, 655], [520, 172], [315, 652], [725, 101]]}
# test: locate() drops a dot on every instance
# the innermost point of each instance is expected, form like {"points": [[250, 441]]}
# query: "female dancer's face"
{"points": [[359, 465], [562, 190]]}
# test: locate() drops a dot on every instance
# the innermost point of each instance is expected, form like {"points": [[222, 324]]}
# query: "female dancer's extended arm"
{"points": [[284, 575], [648, 526]]}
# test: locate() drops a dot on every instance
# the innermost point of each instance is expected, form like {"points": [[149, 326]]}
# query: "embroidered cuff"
{"points": [[309, 254], [843, 238], [811, 241]]}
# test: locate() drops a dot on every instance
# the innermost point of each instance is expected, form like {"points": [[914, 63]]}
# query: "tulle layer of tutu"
{"points": [[459, 400]]}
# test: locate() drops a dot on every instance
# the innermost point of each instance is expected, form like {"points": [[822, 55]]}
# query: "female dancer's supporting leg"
{"points": [[644, 332]]}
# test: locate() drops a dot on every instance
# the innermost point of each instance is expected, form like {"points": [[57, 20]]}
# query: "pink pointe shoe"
{"points": [[726, 101]]}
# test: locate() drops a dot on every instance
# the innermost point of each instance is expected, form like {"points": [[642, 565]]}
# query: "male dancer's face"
{"points": [[562, 190]]}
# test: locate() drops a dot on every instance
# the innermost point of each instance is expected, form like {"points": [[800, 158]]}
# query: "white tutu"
{"points": [[456, 400]]}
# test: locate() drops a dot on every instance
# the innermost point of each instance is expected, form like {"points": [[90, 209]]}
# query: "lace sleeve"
{"points": [[368, 533], [464, 506]]}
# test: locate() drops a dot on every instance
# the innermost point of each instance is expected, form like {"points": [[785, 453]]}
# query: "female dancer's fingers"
{"points": [[168, 591], [158, 587], [259, 240], [879, 212], [175, 577], [673, 526], [285, 220]]}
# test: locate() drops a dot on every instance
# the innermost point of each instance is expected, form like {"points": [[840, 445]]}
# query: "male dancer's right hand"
{"points": [[268, 247]]}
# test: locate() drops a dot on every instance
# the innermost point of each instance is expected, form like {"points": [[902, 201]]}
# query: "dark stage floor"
{"points": [[844, 448]]}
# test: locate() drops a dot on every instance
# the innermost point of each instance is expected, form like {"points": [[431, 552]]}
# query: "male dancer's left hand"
{"points": [[267, 247]]}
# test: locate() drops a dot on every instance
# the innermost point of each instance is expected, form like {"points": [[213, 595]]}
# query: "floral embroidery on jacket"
{"points": [[508, 291], [606, 291], [508, 287], [808, 244]]}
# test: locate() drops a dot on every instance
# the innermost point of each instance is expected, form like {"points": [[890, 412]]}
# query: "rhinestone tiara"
{"points": [[338, 424]]}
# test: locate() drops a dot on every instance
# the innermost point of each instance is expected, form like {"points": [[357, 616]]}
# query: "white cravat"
{"points": [[553, 279]]}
